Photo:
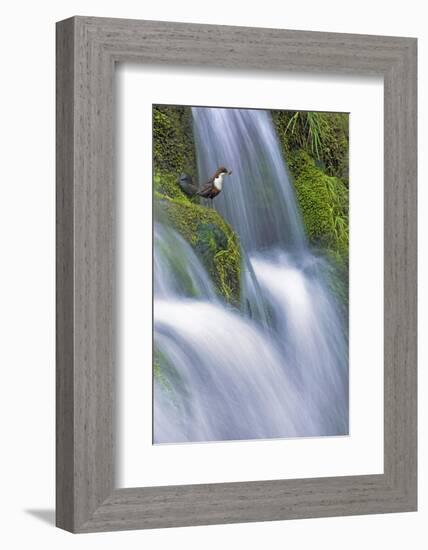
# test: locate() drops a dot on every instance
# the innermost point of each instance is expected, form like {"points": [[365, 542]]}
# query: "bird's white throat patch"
{"points": [[218, 182]]}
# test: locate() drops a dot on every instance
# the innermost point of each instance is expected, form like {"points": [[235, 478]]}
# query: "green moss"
{"points": [[205, 230], [165, 183], [227, 266], [323, 201], [173, 144], [330, 149]]}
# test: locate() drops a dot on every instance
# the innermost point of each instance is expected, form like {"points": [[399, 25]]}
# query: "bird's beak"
{"points": [[229, 173]]}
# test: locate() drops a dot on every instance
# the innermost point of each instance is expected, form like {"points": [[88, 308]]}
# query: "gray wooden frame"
{"points": [[87, 50]]}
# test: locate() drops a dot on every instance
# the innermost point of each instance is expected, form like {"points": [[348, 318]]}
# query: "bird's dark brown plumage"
{"points": [[209, 190]]}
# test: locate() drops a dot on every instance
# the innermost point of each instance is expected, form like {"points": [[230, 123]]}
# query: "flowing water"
{"points": [[279, 366]]}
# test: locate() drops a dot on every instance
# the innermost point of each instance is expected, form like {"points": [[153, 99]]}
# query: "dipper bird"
{"points": [[186, 184], [214, 185]]}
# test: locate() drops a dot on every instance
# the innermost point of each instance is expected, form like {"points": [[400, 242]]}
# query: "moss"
{"points": [[165, 183], [332, 151], [323, 201], [173, 144], [227, 266], [205, 230]]}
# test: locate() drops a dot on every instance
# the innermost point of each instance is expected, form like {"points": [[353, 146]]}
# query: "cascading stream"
{"points": [[278, 367], [260, 205]]}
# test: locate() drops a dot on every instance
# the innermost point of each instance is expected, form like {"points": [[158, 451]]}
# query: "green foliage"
{"points": [[206, 231], [323, 201], [173, 146], [308, 128], [324, 136]]}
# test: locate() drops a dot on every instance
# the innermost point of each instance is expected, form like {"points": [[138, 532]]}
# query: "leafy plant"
{"points": [[325, 136], [309, 128]]}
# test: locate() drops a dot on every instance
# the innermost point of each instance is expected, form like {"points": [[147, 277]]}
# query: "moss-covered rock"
{"points": [[165, 183], [205, 230], [173, 144], [323, 201]]}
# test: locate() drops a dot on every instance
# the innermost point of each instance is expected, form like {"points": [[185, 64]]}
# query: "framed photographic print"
{"points": [[236, 274], [249, 340]]}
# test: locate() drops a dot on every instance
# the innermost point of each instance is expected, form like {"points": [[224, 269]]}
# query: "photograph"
{"points": [[250, 274], [210, 275]]}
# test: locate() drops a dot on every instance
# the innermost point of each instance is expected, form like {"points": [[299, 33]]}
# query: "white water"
{"points": [[279, 367]]}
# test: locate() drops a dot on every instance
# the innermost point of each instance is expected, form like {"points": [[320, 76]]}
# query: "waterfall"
{"points": [[279, 366], [260, 206]]}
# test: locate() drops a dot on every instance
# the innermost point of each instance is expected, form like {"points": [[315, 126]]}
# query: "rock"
{"points": [[213, 240], [173, 143]]}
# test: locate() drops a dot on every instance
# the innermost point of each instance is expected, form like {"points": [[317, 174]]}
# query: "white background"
{"points": [[27, 272], [362, 451]]}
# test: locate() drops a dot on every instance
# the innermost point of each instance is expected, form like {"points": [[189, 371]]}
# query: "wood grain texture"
{"points": [[87, 50], [64, 276]]}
